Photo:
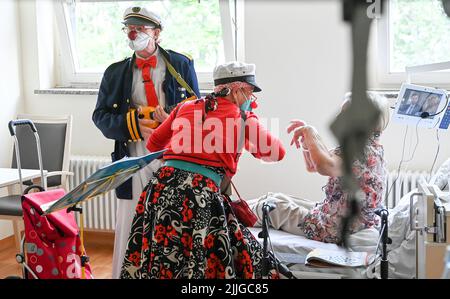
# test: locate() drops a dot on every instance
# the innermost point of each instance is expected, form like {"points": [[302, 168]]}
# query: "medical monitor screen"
{"points": [[419, 105], [414, 103]]}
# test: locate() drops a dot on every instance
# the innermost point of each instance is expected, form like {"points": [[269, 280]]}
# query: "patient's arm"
{"points": [[309, 164], [319, 156], [294, 125], [326, 163]]}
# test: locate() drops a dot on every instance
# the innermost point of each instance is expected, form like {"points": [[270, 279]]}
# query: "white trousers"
{"points": [[288, 214]]}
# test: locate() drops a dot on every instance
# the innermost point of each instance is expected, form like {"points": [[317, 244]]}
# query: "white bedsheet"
{"points": [[294, 245], [401, 253]]}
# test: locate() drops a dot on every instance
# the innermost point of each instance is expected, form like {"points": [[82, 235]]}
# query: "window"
{"points": [[94, 39], [413, 32]]}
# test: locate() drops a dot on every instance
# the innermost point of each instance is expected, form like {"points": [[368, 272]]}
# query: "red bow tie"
{"points": [[145, 65], [151, 62]]}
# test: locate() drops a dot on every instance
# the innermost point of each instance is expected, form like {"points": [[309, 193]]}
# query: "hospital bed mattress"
{"points": [[292, 250]]}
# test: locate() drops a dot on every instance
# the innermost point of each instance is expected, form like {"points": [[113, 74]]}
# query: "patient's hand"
{"points": [[300, 131], [295, 124], [304, 136]]}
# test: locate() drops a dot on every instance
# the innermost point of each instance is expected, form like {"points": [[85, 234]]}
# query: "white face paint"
{"points": [[140, 42]]}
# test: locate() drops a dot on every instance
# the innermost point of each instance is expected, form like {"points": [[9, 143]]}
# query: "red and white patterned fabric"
{"points": [[323, 221], [183, 228], [52, 243]]}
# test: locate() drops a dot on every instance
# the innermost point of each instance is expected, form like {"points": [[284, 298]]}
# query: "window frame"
{"points": [[67, 75], [387, 79]]}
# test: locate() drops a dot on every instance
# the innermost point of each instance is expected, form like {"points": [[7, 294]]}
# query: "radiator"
{"points": [[406, 181], [99, 213]]}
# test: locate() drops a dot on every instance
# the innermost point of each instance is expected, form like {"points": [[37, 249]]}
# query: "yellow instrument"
{"points": [[147, 112]]}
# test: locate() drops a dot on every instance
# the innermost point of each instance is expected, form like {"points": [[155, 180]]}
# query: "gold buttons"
{"points": [[115, 106], [128, 100]]}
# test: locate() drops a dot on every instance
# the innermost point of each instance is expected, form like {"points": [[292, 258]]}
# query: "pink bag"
{"points": [[52, 243]]}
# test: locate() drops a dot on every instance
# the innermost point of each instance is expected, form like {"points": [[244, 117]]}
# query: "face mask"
{"points": [[247, 105], [140, 42]]}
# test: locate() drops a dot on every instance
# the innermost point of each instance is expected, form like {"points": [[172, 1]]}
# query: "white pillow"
{"points": [[442, 177]]}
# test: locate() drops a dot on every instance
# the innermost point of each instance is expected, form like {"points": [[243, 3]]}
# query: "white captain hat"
{"points": [[141, 16], [235, 71]]}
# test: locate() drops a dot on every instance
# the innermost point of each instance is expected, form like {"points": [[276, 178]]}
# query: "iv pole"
{"points": [[354, 125]]}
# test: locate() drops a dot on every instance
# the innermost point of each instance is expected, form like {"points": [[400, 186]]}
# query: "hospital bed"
{"points": [[419, 226], [292, 249], [430, 219]]}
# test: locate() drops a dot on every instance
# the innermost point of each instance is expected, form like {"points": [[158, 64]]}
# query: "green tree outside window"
{"points": [[420, 33], [191, 26]]}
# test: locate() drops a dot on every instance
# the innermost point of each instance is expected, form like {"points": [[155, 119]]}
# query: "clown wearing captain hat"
{"points": [[141, 16], [152, 78]]}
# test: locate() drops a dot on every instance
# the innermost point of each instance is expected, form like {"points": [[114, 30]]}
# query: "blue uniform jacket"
{"points": [[114, 101]]}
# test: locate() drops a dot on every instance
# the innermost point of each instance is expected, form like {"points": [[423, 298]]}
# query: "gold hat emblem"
{"points": [[136, 9]]}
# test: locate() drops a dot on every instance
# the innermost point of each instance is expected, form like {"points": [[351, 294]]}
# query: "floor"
{"points": [[99, 248]]}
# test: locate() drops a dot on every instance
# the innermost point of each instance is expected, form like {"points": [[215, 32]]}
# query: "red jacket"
{"points": [[214, 139]]}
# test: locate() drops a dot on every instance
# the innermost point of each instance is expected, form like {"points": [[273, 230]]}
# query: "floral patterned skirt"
{"points": [[183, 228]]}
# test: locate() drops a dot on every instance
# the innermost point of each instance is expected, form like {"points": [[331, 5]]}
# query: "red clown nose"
{"points": [[132, 35], [254, 105]]}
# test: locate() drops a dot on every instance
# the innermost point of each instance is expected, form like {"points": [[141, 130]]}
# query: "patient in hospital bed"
{"points": [[321, 221]]}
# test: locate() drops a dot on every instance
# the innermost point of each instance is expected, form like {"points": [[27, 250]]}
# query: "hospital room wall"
{"points": [[40, 57], [303, 57], [11, 97]]}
